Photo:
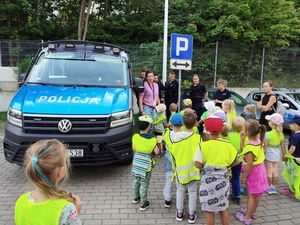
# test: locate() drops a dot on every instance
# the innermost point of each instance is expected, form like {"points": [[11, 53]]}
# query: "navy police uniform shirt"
{"points": [[221, 96]]}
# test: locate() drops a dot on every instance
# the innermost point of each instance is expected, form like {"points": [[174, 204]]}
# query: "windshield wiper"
{"points": [[90, 85], [42, 83]]}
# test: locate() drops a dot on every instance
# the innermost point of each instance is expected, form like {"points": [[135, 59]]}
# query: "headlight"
{"points": [[121, 118], [14, 117]]}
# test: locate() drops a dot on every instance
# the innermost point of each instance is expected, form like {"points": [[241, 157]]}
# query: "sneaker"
{"points": [[236, 200], [273, 190], [179, 216], [192, 218], [145, 206], [243, 191], [167, 204], [241, 217], [269, 190], [136, 200]]}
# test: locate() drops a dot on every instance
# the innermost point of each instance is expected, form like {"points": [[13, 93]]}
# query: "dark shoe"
{"points": [[235, 200], [136, 200], [167, 204], [179, 216], [145, 206], [192, 218]]}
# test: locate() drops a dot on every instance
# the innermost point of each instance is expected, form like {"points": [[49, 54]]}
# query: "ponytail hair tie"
{"points": [[34, 159]]}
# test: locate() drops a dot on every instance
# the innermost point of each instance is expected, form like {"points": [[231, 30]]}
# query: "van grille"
{"points": [[48, 124]]}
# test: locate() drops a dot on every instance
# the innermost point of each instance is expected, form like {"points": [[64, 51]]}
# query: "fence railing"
{"points": [[244, 66]]}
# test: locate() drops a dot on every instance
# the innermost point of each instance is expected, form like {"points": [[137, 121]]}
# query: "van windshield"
{"points": [[79, 68]]}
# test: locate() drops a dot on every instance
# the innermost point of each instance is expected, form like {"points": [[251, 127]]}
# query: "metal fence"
{"points": [[242, 66]]}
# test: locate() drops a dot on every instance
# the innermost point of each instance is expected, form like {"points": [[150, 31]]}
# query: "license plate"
{"points": [[76, 152]]}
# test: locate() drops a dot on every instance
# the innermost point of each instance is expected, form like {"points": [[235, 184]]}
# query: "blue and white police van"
{"points": [[78, 92]]}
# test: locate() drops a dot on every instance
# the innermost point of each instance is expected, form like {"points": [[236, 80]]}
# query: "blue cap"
{"points": [[176, 120], [295, 119]]}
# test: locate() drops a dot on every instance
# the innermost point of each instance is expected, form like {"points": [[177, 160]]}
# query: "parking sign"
{"points": [[181, 46]]}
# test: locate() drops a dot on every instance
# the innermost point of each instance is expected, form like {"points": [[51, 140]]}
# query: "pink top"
{"points": [[252, 142], [150, 94]]}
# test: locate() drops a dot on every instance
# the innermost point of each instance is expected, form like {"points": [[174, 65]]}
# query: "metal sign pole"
{"points": [[179, 90], [262, 69], [165, 47]]}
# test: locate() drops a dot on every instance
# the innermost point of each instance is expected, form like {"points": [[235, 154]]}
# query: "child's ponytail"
{"points": [[42, 160], [262, 132]]}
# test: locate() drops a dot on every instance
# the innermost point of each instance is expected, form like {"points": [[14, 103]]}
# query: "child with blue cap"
{"points": [[168, 136], [291, 172], [183, 149]]}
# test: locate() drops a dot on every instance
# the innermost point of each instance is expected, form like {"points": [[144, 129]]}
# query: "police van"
{"points": [[78, 92]]}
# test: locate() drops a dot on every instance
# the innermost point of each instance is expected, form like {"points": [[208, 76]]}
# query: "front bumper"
{"points": [[114, 145]]}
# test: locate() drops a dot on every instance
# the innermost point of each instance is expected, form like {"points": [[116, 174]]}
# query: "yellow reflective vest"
{"points": [[218, 153], [144, 145], [257, 151], [183, 152], [38, 213]]}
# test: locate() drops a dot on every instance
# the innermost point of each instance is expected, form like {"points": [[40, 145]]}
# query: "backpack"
{"points": [[280, 108]]}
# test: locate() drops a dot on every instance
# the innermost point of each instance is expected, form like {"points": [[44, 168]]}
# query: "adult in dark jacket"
{"points": [[267, 104], [198, 95], [171, 92]]}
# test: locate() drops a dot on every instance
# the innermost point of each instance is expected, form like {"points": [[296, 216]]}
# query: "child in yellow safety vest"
{"points": [[47, 164], [168, 136], [187, 104], [253, 169], [159, 122], [238, 125], [291, 172], [274, 147], [183, 149], [143, 145], [214, 159], [228, 106]]}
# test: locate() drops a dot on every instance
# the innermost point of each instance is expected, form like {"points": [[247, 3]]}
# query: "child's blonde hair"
{"points": [[173, 107], [228, 106], [223, 82], [250, 108], [278, 128], [238, 124], [41, 161], [160, 108]]}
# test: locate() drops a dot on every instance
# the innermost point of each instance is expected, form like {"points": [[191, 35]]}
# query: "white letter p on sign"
{"points": [[180, 47]]}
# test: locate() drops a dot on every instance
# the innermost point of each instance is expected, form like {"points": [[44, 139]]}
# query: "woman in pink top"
{"points": [[149, 98]]}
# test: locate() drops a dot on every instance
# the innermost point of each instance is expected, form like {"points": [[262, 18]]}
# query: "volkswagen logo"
{"points": [[64, 125]]}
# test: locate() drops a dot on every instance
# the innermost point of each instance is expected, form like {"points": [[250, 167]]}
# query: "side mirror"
{"points": [[286, 105], [138, 85], [257, 98], [21, 79]]}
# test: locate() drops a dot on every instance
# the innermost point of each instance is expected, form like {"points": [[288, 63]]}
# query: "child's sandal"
{"points": [[243, 210], [241, 217]]}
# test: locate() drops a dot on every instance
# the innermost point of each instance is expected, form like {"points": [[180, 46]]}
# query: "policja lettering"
{"points": [[68, 99]]}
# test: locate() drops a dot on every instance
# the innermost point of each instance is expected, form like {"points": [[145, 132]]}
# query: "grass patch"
{"points": [[3, 116]]}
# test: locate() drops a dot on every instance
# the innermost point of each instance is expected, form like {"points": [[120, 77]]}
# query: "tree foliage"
{"points": [[245, 25], [263, 22]]}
